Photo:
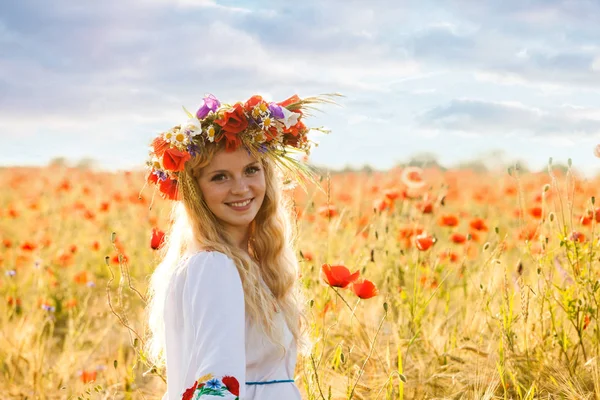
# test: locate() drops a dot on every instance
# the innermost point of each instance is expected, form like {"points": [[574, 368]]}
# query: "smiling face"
{"points": [[233, 186]]}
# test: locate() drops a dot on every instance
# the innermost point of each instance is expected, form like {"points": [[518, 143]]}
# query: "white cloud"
{"points": [[483, 118]]}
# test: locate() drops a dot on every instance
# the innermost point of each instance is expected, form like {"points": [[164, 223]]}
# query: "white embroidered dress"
{"points": [[213, 350]]}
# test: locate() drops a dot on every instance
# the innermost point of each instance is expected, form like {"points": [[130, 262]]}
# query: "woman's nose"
{"points": [[239, 186]]}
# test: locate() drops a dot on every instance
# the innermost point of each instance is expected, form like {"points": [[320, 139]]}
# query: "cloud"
{"points": [[504, 118]]}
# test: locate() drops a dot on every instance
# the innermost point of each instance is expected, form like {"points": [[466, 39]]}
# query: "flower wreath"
{"points": [[273, 130]]}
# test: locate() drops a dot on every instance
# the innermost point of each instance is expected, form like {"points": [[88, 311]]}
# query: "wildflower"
{"points": [[81, 277], [424, 241], [458, 238], [11, 272], [209, 104], [448, 220], [577, 237], [365, 289], [329, 211], [338, 275], [391, 194], [478, 224], [157, 238], [412, 177], [28, 246], [536, 212], [88, 376]]}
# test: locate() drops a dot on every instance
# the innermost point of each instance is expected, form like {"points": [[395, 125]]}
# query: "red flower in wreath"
{"points": [[174, 159], [252, 102], [233, 121], [232, 385], [169, 188], [292, 100], [160, 145]]}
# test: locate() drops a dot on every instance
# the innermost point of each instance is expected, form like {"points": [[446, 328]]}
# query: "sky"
{"points": [[462, 80]]}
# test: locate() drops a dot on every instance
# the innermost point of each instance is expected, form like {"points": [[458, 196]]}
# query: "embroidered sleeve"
{"points": [[214, 321], [210, 386]]}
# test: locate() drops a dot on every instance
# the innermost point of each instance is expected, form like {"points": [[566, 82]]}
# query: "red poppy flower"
{"points": [[28, 246], [88, 376], [449, 255], [233, 121], [291, 102], [424, 241], [160, 145], [391, 194], [338, 275], [252, 102], [535, 212], [168, 188], [105, 206], [329, 211], [586, 220], [152, 178], [448, 220], [365, 289], [426, 207], [81, 278], [458, 238], [383, 204], [478, 224], [577, 237], [189, 393], [174, 159], [232, 385], [586, 321], [157, 238]]}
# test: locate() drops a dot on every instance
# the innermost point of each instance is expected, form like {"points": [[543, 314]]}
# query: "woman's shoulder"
{"points": [[205, 264], [206, 257]]}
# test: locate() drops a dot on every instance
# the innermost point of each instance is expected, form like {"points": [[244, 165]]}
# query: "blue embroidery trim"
{"points": [[269, 382]]}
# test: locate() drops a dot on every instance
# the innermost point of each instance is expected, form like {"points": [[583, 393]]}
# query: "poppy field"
{"points": [[419, 284]]}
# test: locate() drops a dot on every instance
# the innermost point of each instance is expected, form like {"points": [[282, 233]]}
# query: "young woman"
{"points": [[225, 312]]}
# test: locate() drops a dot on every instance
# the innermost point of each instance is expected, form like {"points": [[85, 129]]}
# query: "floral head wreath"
{"points": [[265, 129]]}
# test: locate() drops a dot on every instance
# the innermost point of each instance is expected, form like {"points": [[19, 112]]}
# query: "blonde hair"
{"points": [[194, 227]]}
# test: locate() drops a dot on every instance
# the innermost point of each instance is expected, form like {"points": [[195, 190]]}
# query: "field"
{"points": [[488, 284]]}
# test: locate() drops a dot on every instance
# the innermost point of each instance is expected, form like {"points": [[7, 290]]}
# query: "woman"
{"points": [[225, 312]]}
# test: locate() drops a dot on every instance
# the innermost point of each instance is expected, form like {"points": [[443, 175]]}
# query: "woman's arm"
{"points": [[214, 321]]}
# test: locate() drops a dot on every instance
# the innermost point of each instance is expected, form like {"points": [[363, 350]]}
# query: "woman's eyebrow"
{"points": [[225, 171]]}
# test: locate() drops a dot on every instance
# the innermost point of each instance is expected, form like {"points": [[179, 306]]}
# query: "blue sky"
{"points": [[455, 78]]}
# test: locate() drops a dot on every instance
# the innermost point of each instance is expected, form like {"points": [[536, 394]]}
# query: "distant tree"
{"points": [[58, 162], [423, 160], [86, 163]]}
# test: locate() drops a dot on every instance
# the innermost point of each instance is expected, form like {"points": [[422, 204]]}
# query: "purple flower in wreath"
{"points": [[210, 103], [276, 111], [192, 149]]}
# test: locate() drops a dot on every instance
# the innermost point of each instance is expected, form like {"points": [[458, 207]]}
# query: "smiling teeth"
{"points": [[245, 203]]}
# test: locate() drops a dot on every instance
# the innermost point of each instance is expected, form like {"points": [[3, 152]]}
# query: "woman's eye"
{"points": [[252, 170], [218, 177]]}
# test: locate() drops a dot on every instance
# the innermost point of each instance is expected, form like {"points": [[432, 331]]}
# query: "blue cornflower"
{"points": [[262, 148], [213, 384], [48, 307]]}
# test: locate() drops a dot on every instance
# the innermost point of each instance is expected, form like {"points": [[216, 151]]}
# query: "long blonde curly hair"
{"points": [[272, 257]]}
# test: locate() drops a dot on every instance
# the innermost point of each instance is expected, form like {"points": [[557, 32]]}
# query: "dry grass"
{"points": [[511, 313]]}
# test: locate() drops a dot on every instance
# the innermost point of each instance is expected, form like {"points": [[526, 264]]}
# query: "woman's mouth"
{"points": [[241, 205]]}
